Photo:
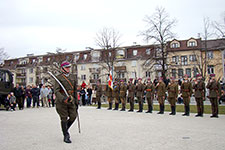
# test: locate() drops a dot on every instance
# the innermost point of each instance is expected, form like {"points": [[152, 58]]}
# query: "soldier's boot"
{"points": [[188, 110], [123, 107], [185, 114], [163, 107], [151, 109], [171, 110], [148, 109], [131, 108], [160, 109], [140, 108], [65, 132], [110, 106], [174, 110], [99, 105], [116, 106]]}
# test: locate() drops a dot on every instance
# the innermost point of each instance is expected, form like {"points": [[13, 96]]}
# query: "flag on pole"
{"points": [[110, 81]]}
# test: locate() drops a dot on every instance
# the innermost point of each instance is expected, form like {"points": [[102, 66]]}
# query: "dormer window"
{"points": [[191, 43], [134, 52], [120, 54], [175, 44], [148, 51], [76, 57], [85, 56]]}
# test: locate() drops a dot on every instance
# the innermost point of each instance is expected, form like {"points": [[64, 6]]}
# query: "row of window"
{"points": [[189, 44], [192, 58]]}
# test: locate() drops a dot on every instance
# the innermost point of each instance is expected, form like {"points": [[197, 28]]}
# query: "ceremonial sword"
{"points": [[78, 119]]}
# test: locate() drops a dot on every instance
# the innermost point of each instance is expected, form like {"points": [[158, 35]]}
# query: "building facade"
{"points": [[136, 61]]}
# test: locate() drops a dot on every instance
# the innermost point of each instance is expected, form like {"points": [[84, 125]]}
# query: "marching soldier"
{"points": [[115, 94], [150, 89], [186, 90], [172, 89], [66, 107], [214, 94], [109, 96], [131, 90], [140, 93], [199, 87], [98, 94], [123, 92], [161, 93]]}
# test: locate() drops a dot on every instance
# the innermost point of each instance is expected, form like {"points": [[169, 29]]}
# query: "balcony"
{"points": [[94, 70], [120, 69]]}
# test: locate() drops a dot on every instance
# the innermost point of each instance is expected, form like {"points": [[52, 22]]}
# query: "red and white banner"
{"points": [[110, 82]]}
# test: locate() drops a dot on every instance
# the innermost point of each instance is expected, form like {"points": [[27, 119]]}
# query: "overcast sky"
{"points": [[39, 26]]}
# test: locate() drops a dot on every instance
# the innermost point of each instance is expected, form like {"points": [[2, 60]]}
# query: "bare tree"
{"points": [[108, 40], [220, 27], [3, 55], [159, 27]]}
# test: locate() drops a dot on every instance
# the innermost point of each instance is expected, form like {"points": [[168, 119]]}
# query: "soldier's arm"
{"points": [[204, 90], [191, 89], [208, 85], [75, 91], [219, 89], [59, 96], [176, 91]]}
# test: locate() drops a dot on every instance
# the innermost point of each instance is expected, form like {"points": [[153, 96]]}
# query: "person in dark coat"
{"points": [[35, 94], [18, 94]]}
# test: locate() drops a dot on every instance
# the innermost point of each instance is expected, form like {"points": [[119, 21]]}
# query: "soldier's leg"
{"points": [[174, 106], [170, 102], [163, 105], [160, 104], [188, 106], [110, 103], [132, 103], [139, 103], [201, 106], [198, 106], [62, 110], [72, 114], [185, 105], [116, 103], [151, 104], [148, 103]]}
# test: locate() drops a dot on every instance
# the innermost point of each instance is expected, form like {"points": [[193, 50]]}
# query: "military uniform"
{"points": [[214, 93], [109, 96], [98, 90], [131, 91], [123, 91], [115, 94], [186, 90], [199, 96], [66, 110], [139, 93], [161, 93], [150, 89], [172, 89]]}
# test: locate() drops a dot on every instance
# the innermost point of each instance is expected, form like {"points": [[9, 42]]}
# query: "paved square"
{"points": [[39, 129]]}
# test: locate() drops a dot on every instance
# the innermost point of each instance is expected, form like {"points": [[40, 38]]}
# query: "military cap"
{"points": [[149, 79], [198, 75], [131, 79], [185, 75], [212, 75], [65, 64], [140, 79]]}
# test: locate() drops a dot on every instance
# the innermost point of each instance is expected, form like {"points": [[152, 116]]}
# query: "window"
{"points": [[148, 51], [192, 58], [120, 54], [82, 67], [83, 77], [191, 43], [133, 74], [184, 60], [95, 55], [67, 58], [33, 61], [121, 75], [110, 54], [40, 59], [31, 80], [175, 59], [95, 76], [134, 63], [174, 72], [158, 52], [23, 71], [85, 56], [188, 72], [174, 45], [210, 55], [195, 71], [31, 70], [147, 74], [76, 57], [180, 72], [49, 59], [134, 52], [210, 69]]}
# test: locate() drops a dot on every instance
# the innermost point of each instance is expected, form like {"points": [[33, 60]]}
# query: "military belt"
{"points": [[148, 90], [185, 90]]}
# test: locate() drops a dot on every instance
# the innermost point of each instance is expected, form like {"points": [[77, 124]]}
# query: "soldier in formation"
{"points": [[172, 89], [161, 93], [66, 106], [186, 90], [123, 91], [139, 94], [150, 89], [199, 89], [131, 92], [214, 94], [115, 94], [98, 89], [109, 96]]}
